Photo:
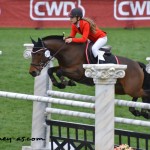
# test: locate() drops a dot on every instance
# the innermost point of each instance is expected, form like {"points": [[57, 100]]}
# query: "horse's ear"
{"points": [[32, 40], [39, 40]]}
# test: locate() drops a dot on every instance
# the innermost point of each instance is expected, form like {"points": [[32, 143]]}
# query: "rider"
{"points": [[88, 29]]}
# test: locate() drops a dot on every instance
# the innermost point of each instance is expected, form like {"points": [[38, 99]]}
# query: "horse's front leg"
{"points": [[145, 112], [51, 72], [59, 74]]}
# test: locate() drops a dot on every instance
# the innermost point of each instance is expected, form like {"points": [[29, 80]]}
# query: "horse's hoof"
{"points": [[71, 83], [134, 111], [61, 86], [145, 114]]}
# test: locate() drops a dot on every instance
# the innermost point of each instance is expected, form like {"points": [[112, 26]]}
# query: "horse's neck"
{"points": [[61, 50], [54, 45]]}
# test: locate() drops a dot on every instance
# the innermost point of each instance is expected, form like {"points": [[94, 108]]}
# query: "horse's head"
{"points": [[40, 57]]}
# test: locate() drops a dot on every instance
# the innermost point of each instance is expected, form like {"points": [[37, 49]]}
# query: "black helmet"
{"points": [[76, 12]]}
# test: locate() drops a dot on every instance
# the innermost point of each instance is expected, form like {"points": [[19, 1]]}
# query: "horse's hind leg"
{"points": [[134, 111], [145, 112]]}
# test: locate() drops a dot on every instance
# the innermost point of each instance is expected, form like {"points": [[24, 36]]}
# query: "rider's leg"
{"points": [[97, 45]]}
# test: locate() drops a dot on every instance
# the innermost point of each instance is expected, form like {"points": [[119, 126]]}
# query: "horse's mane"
{"points": [[39, 43], [53, 37]]}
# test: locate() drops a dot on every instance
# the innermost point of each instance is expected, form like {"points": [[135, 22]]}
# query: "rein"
{"points": [[50, 58], [57, 51]]}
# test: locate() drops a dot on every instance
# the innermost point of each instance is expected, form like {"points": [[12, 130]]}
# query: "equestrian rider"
{"points": [[88, 29]]}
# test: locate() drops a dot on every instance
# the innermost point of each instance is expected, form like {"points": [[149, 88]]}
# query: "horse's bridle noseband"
{"points": [[43, 63]]}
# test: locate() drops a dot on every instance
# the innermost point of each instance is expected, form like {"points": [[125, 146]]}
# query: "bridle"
{"points": [[43, 63]]}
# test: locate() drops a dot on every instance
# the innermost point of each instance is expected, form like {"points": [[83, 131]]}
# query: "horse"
{"points": [[71, 58]]}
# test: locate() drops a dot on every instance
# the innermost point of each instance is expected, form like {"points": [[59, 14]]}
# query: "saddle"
{"points": [[109, 57]]}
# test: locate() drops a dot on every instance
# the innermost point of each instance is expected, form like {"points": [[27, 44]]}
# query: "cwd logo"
{"points": [[132, 9], [53, 10]]}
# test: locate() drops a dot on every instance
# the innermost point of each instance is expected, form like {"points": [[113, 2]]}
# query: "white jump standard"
{"points": [[104, 77], [148, 65]]}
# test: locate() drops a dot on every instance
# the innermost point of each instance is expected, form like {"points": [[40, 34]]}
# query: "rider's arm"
{"points": [[73, 31], [85, 34]]}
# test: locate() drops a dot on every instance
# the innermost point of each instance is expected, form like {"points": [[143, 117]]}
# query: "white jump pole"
{"points": [[118, 102], [104, 77], [39, 129], [73, 96]]}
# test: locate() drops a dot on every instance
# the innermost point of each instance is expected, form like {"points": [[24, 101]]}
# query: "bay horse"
{"points": [[71, 58]]}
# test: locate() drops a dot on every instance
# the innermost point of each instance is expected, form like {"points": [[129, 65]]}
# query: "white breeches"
{"points": [[98, 44]]}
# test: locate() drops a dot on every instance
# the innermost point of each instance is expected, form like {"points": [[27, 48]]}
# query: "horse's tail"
{"points": [[146, 83]]}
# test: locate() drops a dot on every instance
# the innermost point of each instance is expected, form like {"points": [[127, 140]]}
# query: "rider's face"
{"points": [[73, 20]]}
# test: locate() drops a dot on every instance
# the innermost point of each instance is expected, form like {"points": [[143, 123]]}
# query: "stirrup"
{"points": [[101, 62]]}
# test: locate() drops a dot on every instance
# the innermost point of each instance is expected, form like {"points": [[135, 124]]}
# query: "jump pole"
{"points": [[104, 77]]}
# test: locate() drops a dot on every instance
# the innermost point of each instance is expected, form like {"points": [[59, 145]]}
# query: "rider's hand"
{"points": [[68, 40]]}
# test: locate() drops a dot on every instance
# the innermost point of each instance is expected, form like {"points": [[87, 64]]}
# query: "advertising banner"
{"points": [[54, 13]]}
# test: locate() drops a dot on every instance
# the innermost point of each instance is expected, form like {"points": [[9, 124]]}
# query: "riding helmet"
{"points": [[76, 12]]}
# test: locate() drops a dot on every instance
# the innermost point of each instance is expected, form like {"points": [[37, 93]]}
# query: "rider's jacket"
{"points": [[84, 30]]}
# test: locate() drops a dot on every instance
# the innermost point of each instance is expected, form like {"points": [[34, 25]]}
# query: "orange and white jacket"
{"points": [[84, 30]]}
